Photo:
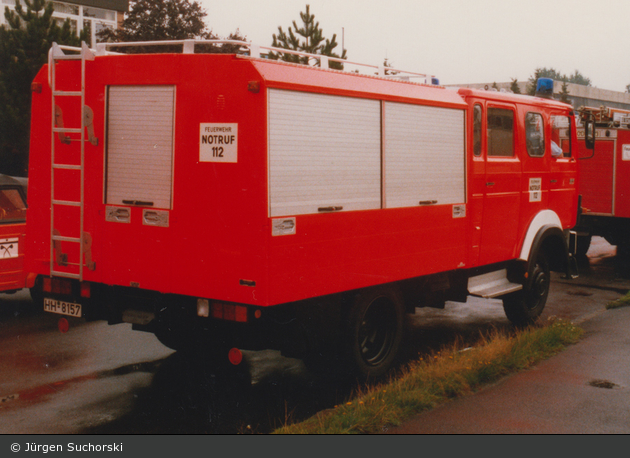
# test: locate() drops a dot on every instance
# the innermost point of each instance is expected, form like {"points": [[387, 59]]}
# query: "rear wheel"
{"points": [[524, 307], [583, 244], [375, 330]]}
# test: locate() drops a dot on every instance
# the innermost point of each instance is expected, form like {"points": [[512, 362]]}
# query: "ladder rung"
{"points": [[67, 130], [69, 203], [62, 238], [66, 166], [65, 274], [67, 93]]}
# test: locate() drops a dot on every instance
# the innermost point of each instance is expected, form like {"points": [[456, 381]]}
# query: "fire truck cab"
{"points": [[235, 202]]}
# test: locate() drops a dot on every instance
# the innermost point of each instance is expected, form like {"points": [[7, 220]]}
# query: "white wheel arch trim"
{"points": [[544, 218]]}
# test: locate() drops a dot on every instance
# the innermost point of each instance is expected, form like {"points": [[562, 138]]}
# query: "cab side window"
{"points": [[535, 134], [560, 138], [500, 132], [477, 114], [12, 206]]}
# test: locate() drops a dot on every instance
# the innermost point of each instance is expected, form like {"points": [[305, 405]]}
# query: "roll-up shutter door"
{"points": [[324, 152], [424, 155], [140, 145]]}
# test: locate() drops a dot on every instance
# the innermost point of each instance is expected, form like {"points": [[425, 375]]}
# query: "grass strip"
{"points": [[446, 374], [623, 301]]}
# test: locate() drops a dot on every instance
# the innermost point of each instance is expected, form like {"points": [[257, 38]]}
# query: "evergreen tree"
{"points": [[564, 93], [24, 46], [514, 87], [309, 39]]}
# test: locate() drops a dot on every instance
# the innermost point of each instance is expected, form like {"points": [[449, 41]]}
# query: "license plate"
{"points": [[62, 307]]}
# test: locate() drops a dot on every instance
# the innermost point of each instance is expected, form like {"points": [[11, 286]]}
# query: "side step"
{"points": [[493, 284]]}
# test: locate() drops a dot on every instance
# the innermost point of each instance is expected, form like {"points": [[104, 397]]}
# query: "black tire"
{"points": [[622, 259], [374, 331], [524, 307], [173, 340], [37, 293]]}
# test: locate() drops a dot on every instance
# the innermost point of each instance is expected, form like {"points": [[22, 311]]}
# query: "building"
{"points": [[91, 14], [578, 95]]}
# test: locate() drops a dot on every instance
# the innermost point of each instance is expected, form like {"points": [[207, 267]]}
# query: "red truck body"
{"points": [[604, 186], [228, 190], [12, 233]]}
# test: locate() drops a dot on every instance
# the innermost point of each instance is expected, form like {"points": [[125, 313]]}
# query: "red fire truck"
{"points": [[232, 202], [604, 185], [12, 229]]}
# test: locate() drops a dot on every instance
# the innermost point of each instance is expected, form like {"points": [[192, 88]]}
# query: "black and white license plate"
{"points": [[62, 307]]}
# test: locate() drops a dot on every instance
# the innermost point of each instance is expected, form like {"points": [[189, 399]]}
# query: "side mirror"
{"points": [[589, 133]]}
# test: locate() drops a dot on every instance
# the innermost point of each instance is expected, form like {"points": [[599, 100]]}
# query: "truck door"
{"points": [[501, 201], [596, 174], [563, 170]]}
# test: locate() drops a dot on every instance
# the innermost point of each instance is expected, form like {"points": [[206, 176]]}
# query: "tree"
{"points": [[24, 46], [543, 72], [514, 87], [312, 41], [578, 78], [575, 78], [157, 20], [153, 20], [564, 93]]}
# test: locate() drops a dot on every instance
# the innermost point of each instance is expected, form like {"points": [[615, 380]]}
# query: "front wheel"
{"points": [[375, 331], [524, 307]]}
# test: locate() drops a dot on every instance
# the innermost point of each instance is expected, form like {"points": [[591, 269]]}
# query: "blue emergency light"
{"points": [[544, 88]]}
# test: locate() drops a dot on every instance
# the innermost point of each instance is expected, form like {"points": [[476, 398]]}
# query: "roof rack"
{"points": [[607, 116], [257, 51]]}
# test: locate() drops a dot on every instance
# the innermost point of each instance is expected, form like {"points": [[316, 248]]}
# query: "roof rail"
{"points": [[188, 47]]}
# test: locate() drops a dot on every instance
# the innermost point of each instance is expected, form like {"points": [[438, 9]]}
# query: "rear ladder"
{"points": [[73, 267]]}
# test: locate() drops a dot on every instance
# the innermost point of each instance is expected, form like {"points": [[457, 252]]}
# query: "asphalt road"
{"points": [[100, 379], [583, 390]]}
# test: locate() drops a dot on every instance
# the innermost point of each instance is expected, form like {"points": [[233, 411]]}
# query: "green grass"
{"points": [[434, 379], [623, 301]]}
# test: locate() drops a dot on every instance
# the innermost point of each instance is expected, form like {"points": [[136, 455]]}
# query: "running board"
{"points": [[493, 284]]}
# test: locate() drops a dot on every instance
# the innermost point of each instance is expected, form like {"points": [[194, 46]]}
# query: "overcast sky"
{"points": [[459, 41]]}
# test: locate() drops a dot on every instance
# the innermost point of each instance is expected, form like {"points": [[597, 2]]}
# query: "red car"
{"points": [[12, 230]]}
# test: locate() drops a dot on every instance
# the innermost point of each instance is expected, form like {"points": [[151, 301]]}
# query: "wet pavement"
{"points": [[583, 390], [100, 379]]}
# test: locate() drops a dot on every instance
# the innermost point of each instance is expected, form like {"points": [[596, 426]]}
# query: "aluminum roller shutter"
{"points": [[140, 145], [424, 155], [324, 151]]}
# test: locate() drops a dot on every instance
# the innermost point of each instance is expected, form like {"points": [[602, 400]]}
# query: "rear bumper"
{"points": [[275, 328]]}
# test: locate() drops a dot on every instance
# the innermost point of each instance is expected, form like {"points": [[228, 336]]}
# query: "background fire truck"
{"points": [[228, 202], [604, 183], [12, 229]]}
